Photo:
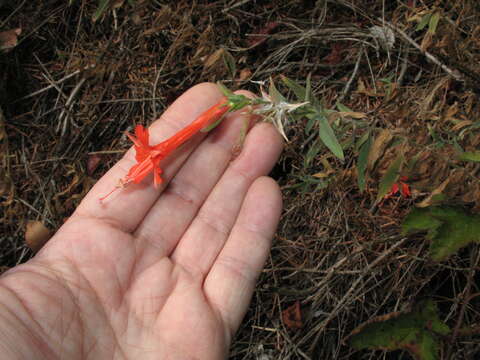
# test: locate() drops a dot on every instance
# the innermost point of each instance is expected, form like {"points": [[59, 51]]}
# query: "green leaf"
{"points": [[328, 137], [362, 163], [448, 229], [275, 94], [229, 62], [102, 7], [343, 108], [424, 22], [416, 331], [312, 120], [312, 153], [224, 90], [390, 177], [299, 91], [470, 156], [433, 23], [308, 88], [302, 93]]}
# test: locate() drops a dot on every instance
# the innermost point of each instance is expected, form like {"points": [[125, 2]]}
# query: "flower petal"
{"points": [[142, 135]]}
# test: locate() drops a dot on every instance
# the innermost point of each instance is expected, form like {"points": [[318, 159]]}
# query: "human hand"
{"points": [[153, 274]]}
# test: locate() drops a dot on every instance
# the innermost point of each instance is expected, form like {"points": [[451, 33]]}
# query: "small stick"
{"points": [[453, 73]]}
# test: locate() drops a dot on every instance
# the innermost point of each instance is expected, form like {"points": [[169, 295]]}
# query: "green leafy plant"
{"points": [[317, 116], [448, 229], [418, 332]]}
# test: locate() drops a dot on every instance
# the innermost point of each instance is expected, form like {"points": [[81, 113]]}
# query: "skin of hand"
{"points": [[153, 273]]}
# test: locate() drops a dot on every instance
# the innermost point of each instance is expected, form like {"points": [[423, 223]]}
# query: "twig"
{"points": [[68, 105], [346, 89], [474, 259], [452, 72], [55, 83], [349, 294], [240, 3], [13, 13]]}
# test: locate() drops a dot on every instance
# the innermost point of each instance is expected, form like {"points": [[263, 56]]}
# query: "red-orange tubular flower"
{"points": [[148, 157]]}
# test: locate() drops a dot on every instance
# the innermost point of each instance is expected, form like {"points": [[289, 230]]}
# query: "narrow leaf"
{"points": [[470, 156], [275, 94], [312, 153], [224, 90], [343, 108], [424, 22], [328, 137], [390, 177], [308, 88], [312, 120], [102, 7], [299, 91], [362, 163], [433, 23], [229, 62]]}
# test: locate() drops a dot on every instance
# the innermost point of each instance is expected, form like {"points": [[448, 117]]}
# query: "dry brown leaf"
{"points": [[378, 147], [292, 316], [36, 235], [352, 114], [461, 125], [428, 201], [244, 74], [9, 38], [213, 58]]}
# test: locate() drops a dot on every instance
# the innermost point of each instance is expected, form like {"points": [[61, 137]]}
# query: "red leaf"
{"points": [[292, 316], [335, 56]]}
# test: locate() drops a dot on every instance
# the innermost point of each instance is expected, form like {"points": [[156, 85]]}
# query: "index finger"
{"points": [[127, 207]]}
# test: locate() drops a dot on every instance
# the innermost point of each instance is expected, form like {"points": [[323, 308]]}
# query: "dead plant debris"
{"points": [[70, 87]]}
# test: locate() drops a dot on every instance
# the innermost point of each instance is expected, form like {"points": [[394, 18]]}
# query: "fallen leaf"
{"points": [[9, 38], [378, 147], [362, 163], [352, 114], [213, 58], [292, 316], [390, 177], [430, 199], [244, 74], [36, 235], [461, 125]]}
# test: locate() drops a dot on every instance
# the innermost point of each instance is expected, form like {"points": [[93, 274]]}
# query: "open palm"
{"points": [[161, 274]]}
